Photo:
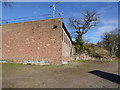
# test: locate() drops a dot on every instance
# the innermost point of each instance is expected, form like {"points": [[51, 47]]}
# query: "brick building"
{"points": [[42, 40]]}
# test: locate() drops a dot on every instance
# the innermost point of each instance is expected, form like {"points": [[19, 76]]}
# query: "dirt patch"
{"points": [[74, 75]]}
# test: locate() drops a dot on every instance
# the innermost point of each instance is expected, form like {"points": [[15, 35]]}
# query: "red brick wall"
{"points": [[35, 40]]}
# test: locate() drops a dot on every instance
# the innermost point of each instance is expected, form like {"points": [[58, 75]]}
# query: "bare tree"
{"points": [[82, 25], [110, 41]]}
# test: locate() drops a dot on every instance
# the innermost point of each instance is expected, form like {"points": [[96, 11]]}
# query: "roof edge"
{"points": [[31, 21], [63, 25]]}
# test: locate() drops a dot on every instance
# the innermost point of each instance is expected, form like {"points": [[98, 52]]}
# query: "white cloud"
{"points": [[96, 36], [108, 25], [104, 29], [110, 21]]}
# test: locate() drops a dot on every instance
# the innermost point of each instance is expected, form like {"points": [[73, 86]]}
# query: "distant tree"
{"points": [[99, 44], [111, 42], [107, 41]]}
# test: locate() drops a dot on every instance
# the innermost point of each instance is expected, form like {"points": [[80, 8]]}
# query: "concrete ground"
{"points": [[77, 74]]}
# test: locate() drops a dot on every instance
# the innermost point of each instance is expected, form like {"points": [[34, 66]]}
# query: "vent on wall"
{"points": [[54, 26]]}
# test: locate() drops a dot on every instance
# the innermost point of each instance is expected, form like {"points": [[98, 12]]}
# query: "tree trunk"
{"points": [[80, 37]]}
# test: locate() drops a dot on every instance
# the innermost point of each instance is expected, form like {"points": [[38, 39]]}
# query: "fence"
{"points": [[26, 19]]}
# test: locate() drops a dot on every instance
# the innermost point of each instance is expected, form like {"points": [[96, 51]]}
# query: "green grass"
{"points": [[17, 66], [78, 61], [21, 67]]}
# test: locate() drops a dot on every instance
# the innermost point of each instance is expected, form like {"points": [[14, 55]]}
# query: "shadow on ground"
{"points": [[109, 76]]}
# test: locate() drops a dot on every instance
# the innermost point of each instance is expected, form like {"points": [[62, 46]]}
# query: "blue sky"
{"points": [[108, 14]]}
